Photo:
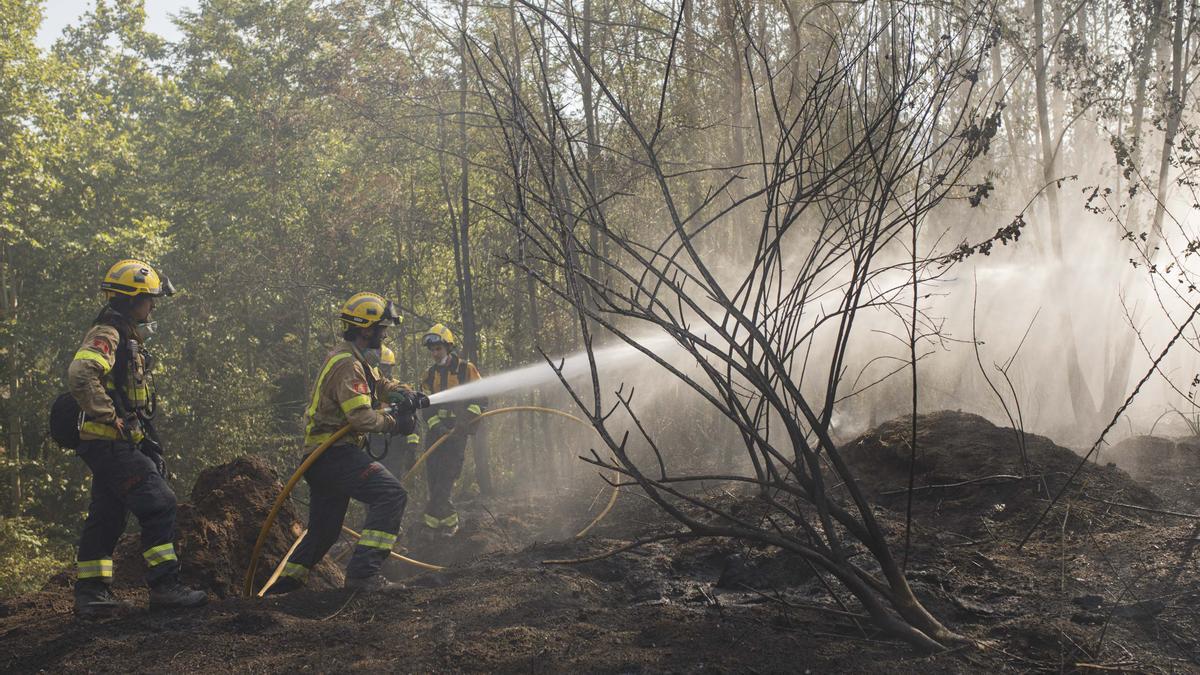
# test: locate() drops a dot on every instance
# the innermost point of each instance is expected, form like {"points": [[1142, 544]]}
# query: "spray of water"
{"points": [[572, 368]]}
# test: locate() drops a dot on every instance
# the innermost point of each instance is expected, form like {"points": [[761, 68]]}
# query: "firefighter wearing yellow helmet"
{"points": [[109, 379], [444, 466], [387, 361], [348, 390]]}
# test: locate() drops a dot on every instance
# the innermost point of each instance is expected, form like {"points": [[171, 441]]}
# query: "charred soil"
{"points": [[1097, 585]]}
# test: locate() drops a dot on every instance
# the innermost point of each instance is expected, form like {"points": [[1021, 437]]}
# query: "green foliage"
{"points": [[28, 556], [283, 155]]}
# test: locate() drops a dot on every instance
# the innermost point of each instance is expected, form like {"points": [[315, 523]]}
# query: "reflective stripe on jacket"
{"points": [[88, 380], [342, 395], [440, 377]]}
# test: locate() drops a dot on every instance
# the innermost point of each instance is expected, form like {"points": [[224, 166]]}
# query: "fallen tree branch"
{"points": [[628, 547], [1002, 478], [1177, 514]]}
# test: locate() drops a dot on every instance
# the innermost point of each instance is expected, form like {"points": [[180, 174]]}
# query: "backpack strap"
{"points": [[462, 371], [119, 376], [369, 372]]}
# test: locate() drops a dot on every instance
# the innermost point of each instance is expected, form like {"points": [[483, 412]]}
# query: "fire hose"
{"points": [[248, 583]]}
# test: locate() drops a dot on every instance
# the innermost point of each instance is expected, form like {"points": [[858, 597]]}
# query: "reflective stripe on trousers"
{"points": [[160, 554], [95, 569], [435, 522], [296, 571], [377, 539]]}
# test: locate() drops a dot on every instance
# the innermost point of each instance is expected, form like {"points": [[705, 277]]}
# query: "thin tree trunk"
{"points": [[470, 341], [593, 148], [1174, 111], [470, 337], [1146, 57], [1049, 159], [1006, 119], [736, 154], [8, 295]]}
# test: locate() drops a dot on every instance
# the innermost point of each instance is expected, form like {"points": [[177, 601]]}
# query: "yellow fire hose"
{"points": [[248, 583], [282, 563]]}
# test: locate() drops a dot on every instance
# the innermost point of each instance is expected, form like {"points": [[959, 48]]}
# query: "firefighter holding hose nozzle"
{"points": [[348, 391], [444, 466]]}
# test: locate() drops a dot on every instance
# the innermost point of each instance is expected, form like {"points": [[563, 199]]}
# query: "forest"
{"points": [[875, 318]]}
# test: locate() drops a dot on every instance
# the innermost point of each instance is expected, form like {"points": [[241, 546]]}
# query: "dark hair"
{"points": [[122, 303], [353, 332], [116, 312]]}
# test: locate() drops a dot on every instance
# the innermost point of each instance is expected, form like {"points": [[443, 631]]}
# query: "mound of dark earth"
{"points": [[1171, 466], [969, 474]]}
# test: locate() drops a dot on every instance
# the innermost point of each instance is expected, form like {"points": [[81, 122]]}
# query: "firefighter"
{"points": [[347, 391], [387, 362], [444, 465], [110, 379]]}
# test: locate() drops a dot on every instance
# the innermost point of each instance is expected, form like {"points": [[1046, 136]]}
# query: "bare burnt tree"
{"points": [[881, 126]]}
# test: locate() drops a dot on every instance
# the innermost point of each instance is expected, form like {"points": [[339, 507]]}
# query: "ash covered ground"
{"points": [[1110, 580]]}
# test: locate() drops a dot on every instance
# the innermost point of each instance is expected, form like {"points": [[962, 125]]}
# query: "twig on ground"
{"points": [[999, 478], [350, 599], [1147, 509], [628, 547]]}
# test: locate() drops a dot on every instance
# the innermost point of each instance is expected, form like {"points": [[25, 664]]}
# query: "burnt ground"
{"points": [[1108, 581]]}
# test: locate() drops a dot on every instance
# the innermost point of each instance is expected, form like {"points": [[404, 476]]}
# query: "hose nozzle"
{"points": [[406, 402]]}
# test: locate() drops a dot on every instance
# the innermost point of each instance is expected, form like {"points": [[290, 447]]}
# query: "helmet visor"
{"points": [[391, 317]]}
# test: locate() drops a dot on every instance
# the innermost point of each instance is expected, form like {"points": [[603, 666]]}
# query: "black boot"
{"points": [[169, 593], [371, 584], [93, 599]]}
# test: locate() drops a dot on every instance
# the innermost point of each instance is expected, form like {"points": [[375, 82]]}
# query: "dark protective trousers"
{"points": [[123, 481], [400, 455], [442, 470], [342, 473]]}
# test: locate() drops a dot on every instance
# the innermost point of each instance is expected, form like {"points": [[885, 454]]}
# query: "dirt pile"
{"points": [[1171, 466], [969, 474], [217, 530]]}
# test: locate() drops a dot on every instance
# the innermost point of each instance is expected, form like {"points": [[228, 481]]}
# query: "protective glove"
{"points": [[470, 416], [155, 452], [407, 400], [404, 410], [404, 421]]}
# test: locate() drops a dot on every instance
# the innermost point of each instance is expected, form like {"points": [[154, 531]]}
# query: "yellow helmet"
{"points": [[364, 310], [133, 278], [387, 357], [438, 335]]}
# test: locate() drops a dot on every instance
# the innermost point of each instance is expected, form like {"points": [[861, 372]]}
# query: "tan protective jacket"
{"points": [[88, 380], [342, 395]]}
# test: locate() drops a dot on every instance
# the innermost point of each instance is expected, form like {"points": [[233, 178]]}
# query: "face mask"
{"points": [[372, 356], [147, 329]]}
